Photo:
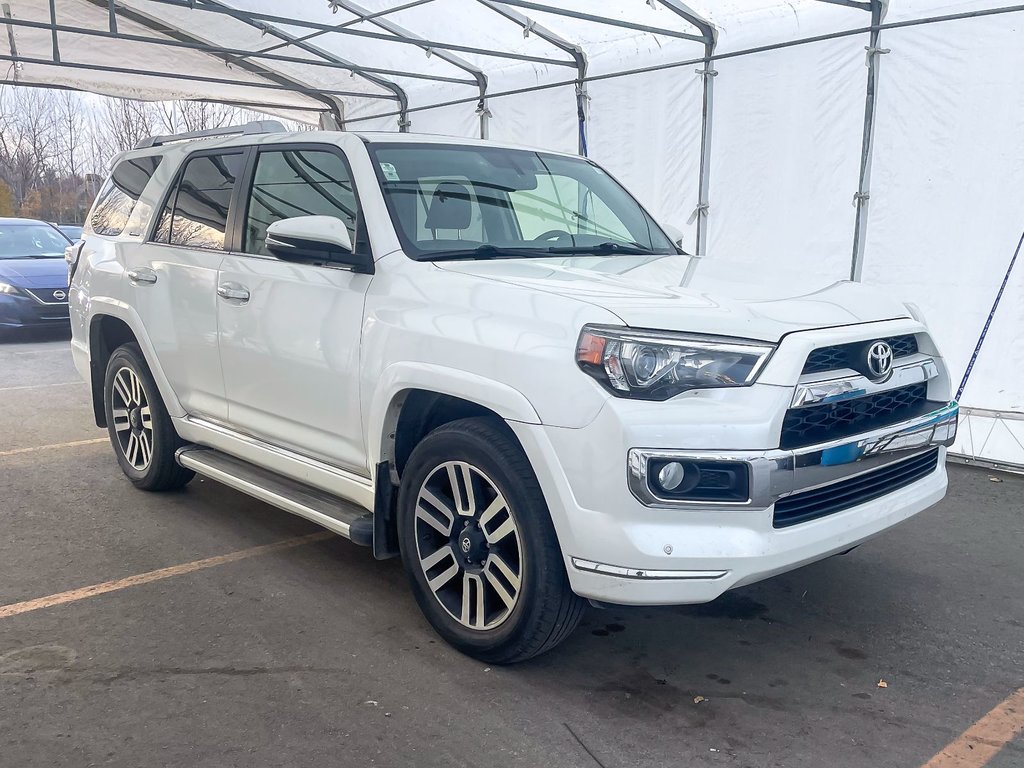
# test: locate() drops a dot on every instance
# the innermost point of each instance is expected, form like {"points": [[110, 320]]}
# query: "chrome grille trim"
{"points": [[817, 390]]}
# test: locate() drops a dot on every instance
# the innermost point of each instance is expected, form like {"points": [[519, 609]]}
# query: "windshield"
{"points": [[31, 241], [490, 202]]}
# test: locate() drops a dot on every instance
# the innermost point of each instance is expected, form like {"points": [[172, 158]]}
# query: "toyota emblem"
{"points": [[879, 360], [59, 295]]}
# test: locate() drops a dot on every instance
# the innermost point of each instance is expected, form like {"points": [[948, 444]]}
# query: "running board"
{"points": [[335, 514]]}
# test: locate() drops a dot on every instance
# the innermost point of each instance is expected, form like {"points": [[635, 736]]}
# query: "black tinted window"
{"points": [[303, 182], [200, 202], [115, 202]]}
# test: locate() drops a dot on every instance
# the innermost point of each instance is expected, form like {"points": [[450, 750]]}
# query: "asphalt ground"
{"points": [[314, 654]]}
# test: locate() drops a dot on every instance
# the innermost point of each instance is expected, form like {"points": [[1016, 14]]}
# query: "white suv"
{"points": [[487, 359]]}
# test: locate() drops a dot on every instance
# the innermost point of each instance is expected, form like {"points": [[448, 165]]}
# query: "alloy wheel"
{"points": [[133, 419], [468, 545]]}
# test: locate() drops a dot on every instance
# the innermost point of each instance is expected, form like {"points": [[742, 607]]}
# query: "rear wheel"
{"points": [[140, 429], [479, 548]]}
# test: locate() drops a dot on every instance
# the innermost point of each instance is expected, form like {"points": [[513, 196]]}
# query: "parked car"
{"points": [[485, 359], [73, 232], [33, 275]]}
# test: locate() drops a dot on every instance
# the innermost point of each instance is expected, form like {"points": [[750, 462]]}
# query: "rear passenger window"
{"points": [[196, 214], [117, 199], [300, 182]]}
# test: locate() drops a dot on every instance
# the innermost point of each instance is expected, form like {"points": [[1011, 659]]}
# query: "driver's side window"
{"points": [[562, 204], [300, 182]]}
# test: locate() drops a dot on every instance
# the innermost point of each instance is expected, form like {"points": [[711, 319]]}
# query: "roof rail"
{"points": [[256, 126]]}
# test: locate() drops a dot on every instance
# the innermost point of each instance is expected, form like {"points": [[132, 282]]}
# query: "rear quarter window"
{"points": [[116, 200]]}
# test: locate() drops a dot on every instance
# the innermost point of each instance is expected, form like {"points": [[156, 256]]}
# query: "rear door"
{"points": [[289, 332], [174, 277]]}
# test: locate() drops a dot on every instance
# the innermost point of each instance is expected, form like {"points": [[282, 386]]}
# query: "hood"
{"points": [[645, 292], [34, 273]]}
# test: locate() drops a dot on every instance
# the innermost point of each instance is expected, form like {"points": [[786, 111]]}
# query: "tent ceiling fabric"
{"points": [[351, 58]]}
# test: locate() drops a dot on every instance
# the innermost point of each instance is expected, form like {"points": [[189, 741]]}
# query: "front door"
{"points": [[289, 332], [174, 278]]}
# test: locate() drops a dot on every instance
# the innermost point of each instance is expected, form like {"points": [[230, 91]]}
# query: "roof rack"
{"points": [[256, 126]]}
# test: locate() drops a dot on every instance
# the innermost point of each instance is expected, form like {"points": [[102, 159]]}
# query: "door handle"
{"points": [[233, 292], [142, 276]]}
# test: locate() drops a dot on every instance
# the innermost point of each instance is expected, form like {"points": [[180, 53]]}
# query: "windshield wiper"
{"points": [[487, 251], [602, 248]]}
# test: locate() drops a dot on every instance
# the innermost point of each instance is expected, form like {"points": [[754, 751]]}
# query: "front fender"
{"points": [[402, 377]]}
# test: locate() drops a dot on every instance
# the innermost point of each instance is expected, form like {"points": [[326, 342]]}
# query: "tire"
{"points": [[140, 430], [485, 567]]}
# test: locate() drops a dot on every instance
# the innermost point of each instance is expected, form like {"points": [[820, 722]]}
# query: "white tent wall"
{"points": [[785, 161], [645, 130], [947, 207]]}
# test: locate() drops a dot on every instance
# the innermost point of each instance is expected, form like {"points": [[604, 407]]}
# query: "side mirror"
{"points": [[676, 235], [316, 240]]}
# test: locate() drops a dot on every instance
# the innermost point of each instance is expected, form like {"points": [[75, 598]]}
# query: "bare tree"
{"points": [[126, 123], [55, 146], [27, 138]]}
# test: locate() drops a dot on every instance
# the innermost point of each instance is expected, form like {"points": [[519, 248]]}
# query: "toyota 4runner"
{"points": [[495, 363]]}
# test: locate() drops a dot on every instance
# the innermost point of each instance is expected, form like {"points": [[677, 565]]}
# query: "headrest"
{"points": [[450, 207]]}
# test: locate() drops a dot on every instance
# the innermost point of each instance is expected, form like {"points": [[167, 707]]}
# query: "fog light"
{"points": [[710, 480], [671, 475]]}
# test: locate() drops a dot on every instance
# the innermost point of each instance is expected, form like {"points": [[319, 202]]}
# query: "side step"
{"points": [[343, 517]]}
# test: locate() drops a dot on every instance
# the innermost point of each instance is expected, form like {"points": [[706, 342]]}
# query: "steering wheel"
{"points": [[553, 235]]}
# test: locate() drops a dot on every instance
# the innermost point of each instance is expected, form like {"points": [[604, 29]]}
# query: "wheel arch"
{"points": [[410, 400], [109, 328]]}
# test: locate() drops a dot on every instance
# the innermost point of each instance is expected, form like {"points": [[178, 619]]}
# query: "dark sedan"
{"points": [[33, 274]]}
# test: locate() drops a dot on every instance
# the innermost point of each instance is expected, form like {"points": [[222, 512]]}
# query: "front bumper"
{"points": [[619, 549]]}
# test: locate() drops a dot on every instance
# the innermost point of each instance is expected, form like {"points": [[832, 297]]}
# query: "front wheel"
{"points": [[140, 429], [479, 547]]}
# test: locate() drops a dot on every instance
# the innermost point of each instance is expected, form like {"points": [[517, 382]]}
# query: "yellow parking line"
{"points": [[72, 444], [981, 742], [74, 595]]}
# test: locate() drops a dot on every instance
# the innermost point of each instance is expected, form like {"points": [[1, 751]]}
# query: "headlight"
{"points": [[655, 365], [5, 288]]}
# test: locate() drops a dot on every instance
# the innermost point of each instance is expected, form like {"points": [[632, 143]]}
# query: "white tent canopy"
{"points": [[764, 129]]}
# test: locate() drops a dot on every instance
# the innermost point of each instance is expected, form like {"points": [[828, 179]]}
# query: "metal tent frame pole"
{"points": [[402, 33], [707, 73], [435, 46], [579, 56], [863, 195], [338, 111]]}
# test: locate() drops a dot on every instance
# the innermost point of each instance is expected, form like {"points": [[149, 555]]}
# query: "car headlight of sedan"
{"points": [[7, 288], [656, 365]]}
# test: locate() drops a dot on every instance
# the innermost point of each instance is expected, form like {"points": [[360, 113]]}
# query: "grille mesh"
{"points": [[810, 505], [852, 355], [833, 421]]}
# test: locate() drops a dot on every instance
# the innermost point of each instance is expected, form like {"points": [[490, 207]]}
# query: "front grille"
{"points": [[834, 421], [46, 296], [810, 505], [853, 355]]}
